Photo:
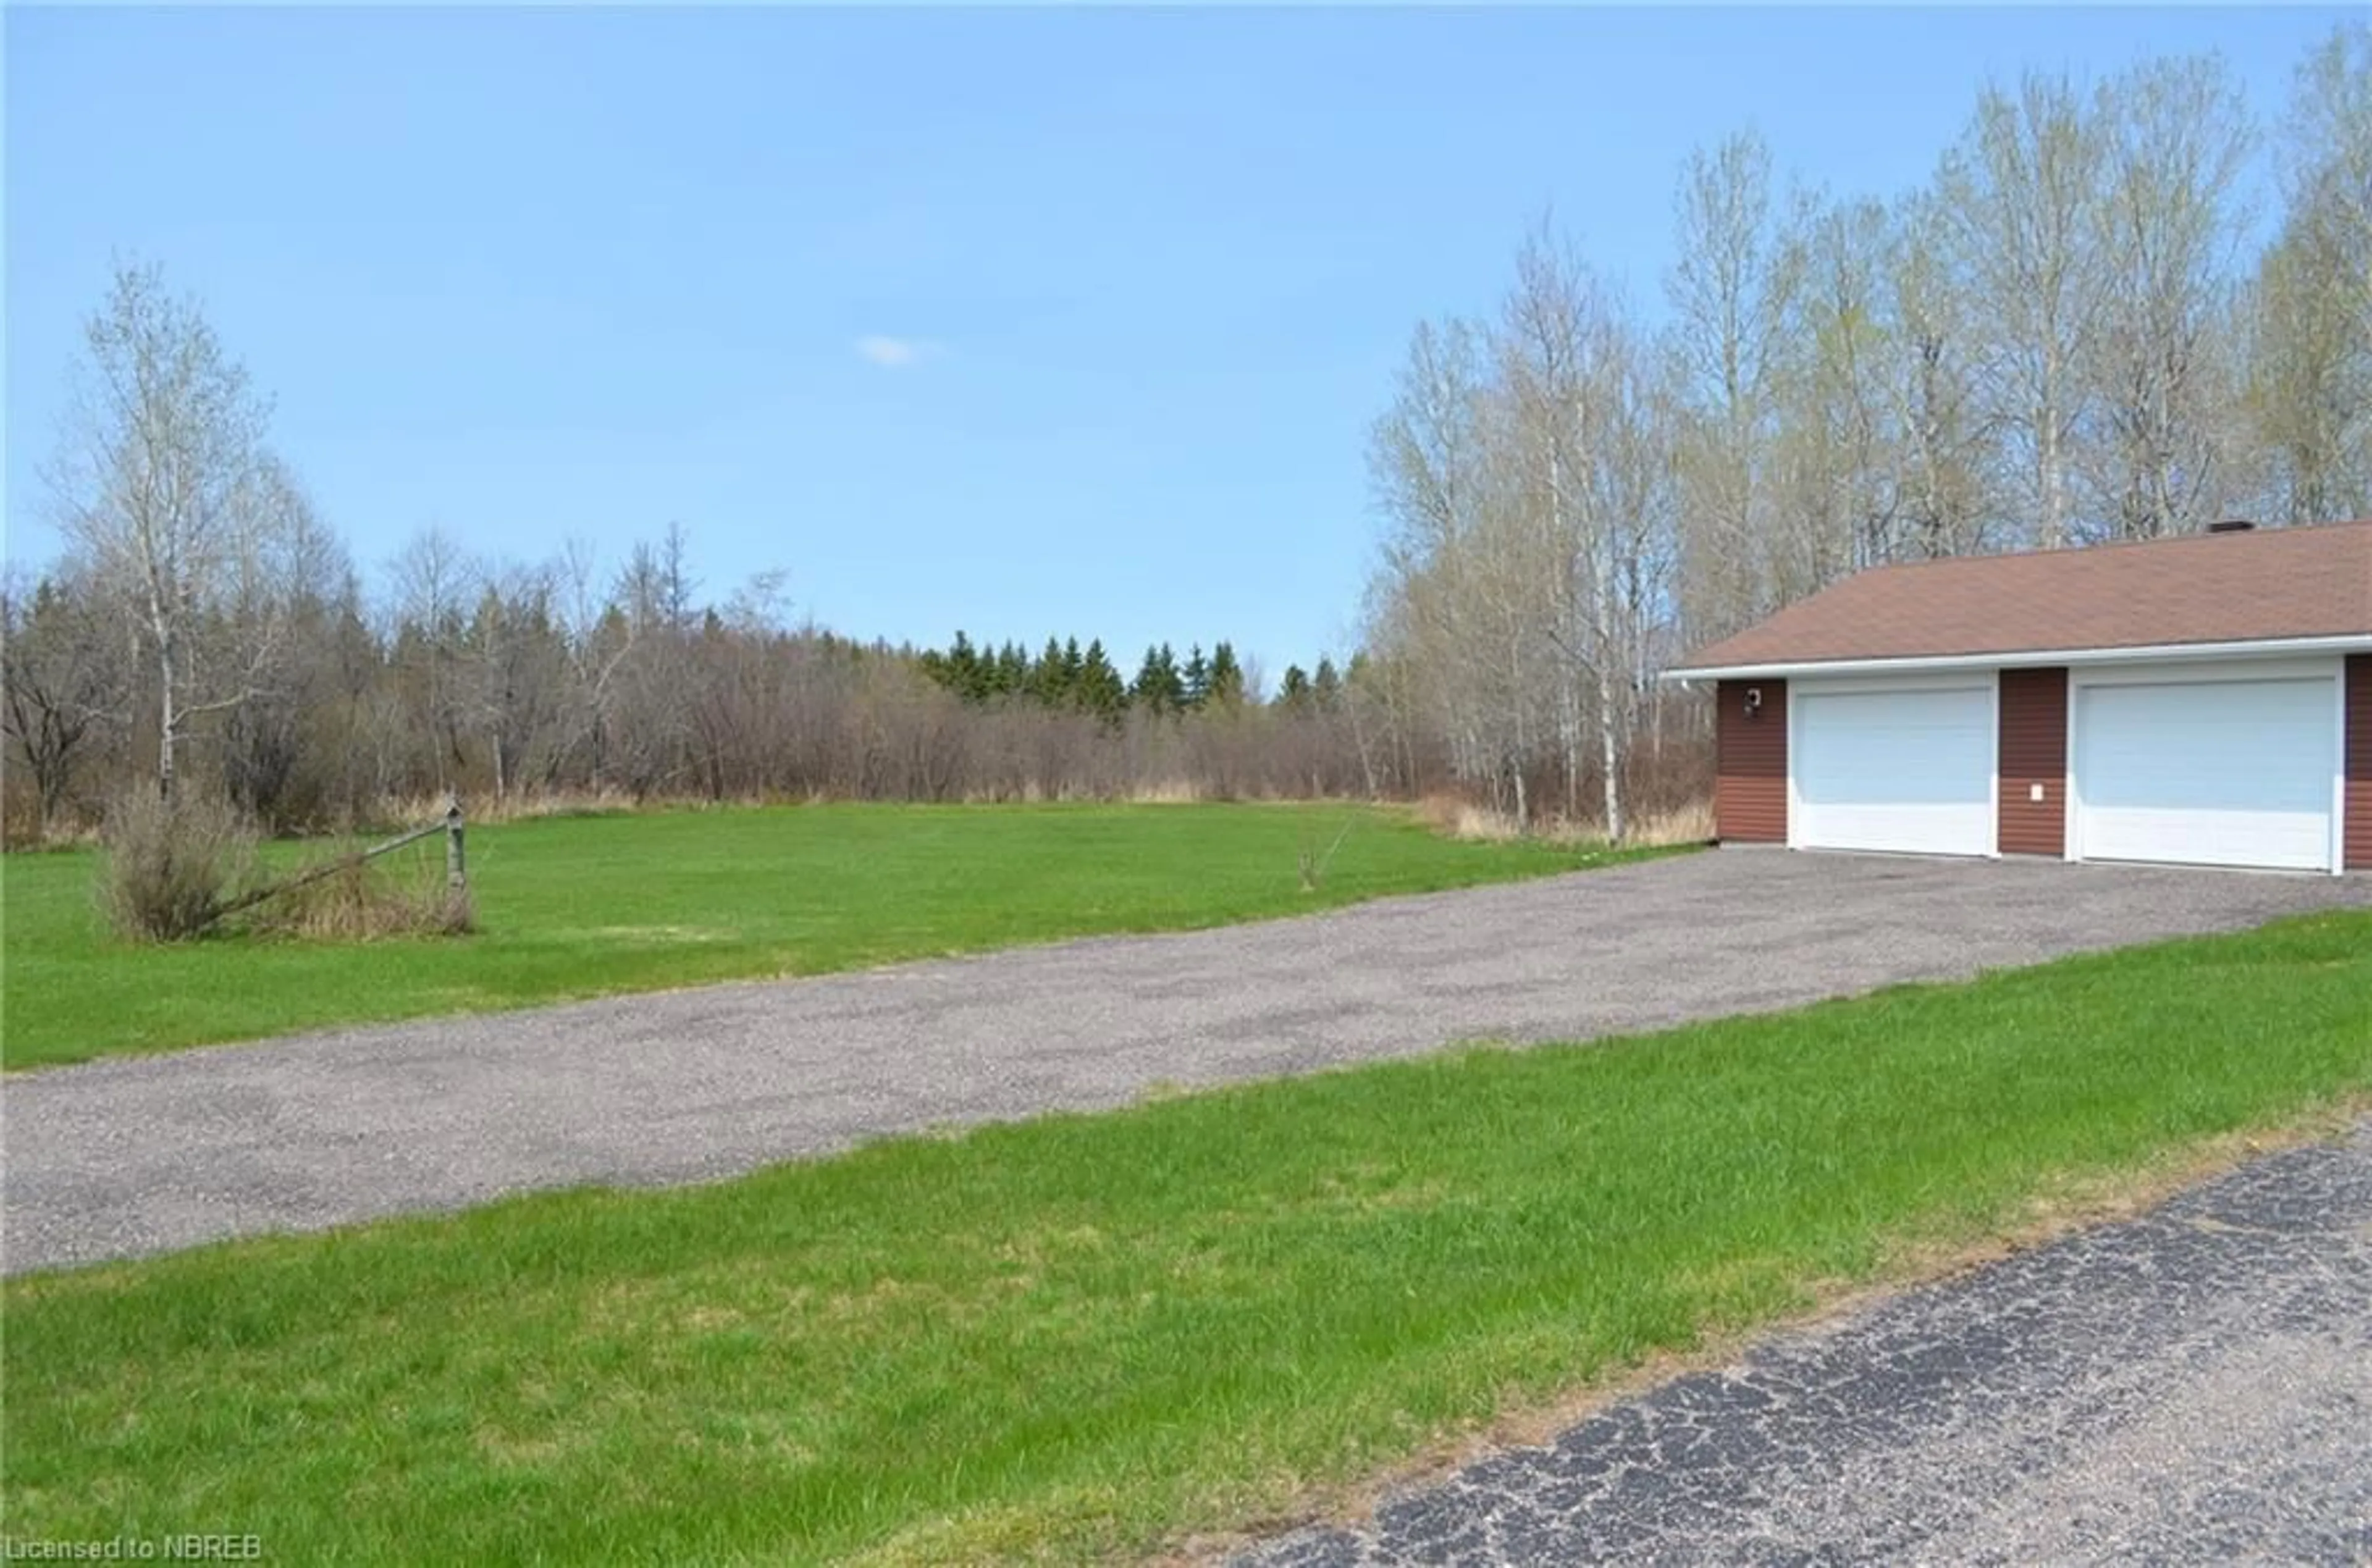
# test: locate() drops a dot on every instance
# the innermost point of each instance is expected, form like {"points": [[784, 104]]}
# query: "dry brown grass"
{"points": [[403, 894], [1455, 816], [1689, 824], [1174, 792], [412, 810], [1168, 792], [68, 835]]}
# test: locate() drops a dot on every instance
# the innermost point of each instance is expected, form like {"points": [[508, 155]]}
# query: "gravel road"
{"points": [[144, 1155]]}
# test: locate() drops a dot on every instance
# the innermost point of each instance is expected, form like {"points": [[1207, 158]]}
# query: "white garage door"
{"points": [[1896, 769], [2228, 773]]}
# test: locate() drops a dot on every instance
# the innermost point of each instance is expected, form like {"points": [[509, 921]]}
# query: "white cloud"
{"points": [[895, 354]]}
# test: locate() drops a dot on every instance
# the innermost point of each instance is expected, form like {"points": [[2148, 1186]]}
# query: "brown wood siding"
{"points": [[2033, 751], [2356, 830], [1750, 791]]}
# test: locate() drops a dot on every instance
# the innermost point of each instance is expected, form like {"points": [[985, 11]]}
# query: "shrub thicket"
{"points": [[170, 866]]}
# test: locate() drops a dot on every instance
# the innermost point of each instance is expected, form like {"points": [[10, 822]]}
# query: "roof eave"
{"points": [[2255, 647]]}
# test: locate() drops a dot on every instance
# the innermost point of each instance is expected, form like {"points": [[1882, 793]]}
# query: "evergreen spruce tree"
{"points": [[1227, 677], [1149, 689], [963, 668], [1046, 678], [1294, 692], [1326, 686], [1198, 678], [1173, 684], [1101, 691]]}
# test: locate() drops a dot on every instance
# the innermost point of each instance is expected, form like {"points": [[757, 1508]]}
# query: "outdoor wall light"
{"points": [[1753, 701]]}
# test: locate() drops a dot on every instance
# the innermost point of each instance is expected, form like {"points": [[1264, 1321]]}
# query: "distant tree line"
{"points": [[510, 683]]}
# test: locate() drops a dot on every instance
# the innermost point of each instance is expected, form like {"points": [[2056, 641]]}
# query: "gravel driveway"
{"points": [[2194, 1387], [144, 1154]]}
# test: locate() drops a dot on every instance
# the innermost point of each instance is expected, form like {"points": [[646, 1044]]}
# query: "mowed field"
{"points": [[1084, 1337], [584, 906]]}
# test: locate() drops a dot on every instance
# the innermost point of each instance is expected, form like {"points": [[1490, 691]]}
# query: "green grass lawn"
{"points": [[1086, 1335], [574, 907]]}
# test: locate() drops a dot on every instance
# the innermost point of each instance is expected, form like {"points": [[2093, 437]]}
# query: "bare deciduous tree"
{"points": [[1947, 455], [2015, 196], [1589, 412], [2310, 312], [2330, 163], [61, 682], [2173, 135], [433, 582], [1836, 479], [166, 496], [1729, 288]]}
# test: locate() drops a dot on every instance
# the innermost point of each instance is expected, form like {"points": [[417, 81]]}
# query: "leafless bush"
{"points": [[168, 867]]}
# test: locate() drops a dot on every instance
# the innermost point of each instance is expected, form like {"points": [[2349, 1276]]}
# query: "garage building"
{"points": [[2200, 700]]}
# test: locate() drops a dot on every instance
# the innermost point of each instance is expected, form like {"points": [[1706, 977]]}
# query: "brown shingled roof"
{"points": [[2228, 587]]}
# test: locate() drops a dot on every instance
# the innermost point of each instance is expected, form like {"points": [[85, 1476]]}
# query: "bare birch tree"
{"points": [[1430, 465], [159, 482], [2173, 137], [2017, 194], [1947, 455], [1589, 421], [2309, 384], [2330, 158], [1836, 475], [1729, 290], [2309, 310]]}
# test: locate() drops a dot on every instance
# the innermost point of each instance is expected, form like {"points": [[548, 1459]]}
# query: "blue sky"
{"points": [[1019, 320]]}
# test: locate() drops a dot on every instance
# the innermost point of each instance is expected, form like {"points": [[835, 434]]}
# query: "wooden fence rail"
{"points": [[457, 881]]}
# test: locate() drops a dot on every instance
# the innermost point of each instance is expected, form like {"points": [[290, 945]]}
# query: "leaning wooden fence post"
{"points": [[457, 875]]}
